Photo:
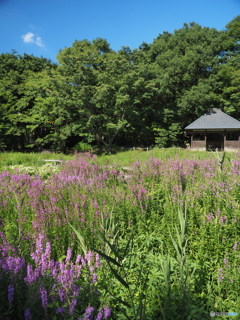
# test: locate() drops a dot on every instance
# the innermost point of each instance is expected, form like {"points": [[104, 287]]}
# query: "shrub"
{"points": [[82, 147]]}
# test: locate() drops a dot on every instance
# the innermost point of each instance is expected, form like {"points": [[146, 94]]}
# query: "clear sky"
{"points": [[43, 27]]}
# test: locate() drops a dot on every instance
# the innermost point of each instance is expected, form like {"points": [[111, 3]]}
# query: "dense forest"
{"points": [[140, 97]]}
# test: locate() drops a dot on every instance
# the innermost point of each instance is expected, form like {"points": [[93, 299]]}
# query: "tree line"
{"points": [[99, 96]]}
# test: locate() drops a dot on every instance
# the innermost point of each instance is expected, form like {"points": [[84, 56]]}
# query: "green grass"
{"points": [[126, 158], [29, 159]]}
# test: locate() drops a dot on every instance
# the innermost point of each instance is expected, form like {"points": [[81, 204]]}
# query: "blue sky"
{"points": [[44, 27]]}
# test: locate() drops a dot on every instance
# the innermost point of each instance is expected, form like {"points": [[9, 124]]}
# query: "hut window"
{"points": [[231, 136], [198, 137]]}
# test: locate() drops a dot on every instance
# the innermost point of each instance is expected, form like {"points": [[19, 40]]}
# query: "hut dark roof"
{"points": [[214, 119]]}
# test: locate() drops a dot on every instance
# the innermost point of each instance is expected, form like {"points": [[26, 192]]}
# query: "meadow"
{"points": [[136, 235]]}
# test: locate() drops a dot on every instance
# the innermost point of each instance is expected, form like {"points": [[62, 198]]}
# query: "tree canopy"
{"points": [[96, 95]]}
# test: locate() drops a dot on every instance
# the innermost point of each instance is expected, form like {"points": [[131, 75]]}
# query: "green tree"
{"points": [[22, 82], [98, 92], [184, 62], [227, 80]]}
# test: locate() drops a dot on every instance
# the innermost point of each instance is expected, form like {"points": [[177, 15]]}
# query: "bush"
{"points": [[83, 147]]}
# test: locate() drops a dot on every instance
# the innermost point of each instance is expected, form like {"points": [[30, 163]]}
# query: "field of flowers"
{"points": [[154, 237]]}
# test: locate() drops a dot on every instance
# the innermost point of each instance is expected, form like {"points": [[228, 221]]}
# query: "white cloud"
{"points": [[28, 37], [32, 38], [39, 42]]}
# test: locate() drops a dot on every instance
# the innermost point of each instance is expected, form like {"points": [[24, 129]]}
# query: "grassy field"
{"points": [[92, 239], [29, 159], [125, 158]]}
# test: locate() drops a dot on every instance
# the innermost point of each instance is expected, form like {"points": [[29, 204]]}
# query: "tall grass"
{"points": [[167, 230]]}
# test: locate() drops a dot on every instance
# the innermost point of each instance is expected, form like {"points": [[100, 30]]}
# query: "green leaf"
{"points": [[112, 247], [118, 299], [81, 239], [130, 241], [118, 277], [106, 257]]}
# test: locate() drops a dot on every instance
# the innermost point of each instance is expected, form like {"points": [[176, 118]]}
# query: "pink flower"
{"points": [[235, 246], [210, 217], [223, 220]]}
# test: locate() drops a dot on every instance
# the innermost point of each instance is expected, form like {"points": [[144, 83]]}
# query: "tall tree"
{"points": [[22, 81], [227, 80], [97, 91], [184, 61]]}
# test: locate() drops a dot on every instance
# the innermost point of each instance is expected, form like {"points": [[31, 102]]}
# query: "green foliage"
{"points": [[233, 28], [82, 147], [108, 91], [22, 83], [167, 137], [102, 97]]}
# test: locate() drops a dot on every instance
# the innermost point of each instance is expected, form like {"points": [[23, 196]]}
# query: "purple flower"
{"points": [[89, 256], [69, 255], [76, 290], [39, 244], [15, 264], [94, 278], [99, 316], [103, 314], [72, 306], [10, 293], [48, 250], [44, 296], [107, 313], [97, 257], [32, 275], [60, 310], [27, 314], [61, 293], [78, 259], [88, 313]]}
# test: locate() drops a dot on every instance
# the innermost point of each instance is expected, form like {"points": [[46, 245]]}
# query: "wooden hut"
{"points": [[215, 130]]}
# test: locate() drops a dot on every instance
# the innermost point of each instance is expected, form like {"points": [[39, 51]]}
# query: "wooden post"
{"points": [[224, 139], [205, 139], [238, 139]]}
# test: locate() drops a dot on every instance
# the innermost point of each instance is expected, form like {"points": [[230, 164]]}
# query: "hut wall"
{"points": [[231, 145], [198, 145]]}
